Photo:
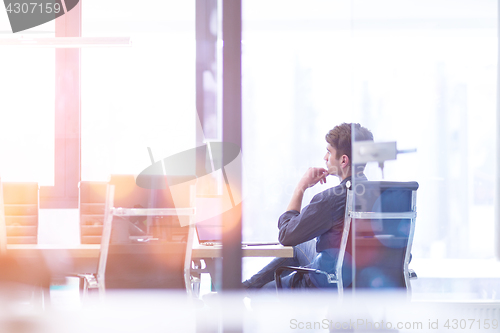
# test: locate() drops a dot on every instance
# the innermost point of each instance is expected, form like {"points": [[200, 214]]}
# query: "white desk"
{"points": [[64, 260], [83, 258], [47, 250], [91, 251], [215, 251]]}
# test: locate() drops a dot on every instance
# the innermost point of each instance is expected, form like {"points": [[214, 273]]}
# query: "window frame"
{"points": [[67, 153]]}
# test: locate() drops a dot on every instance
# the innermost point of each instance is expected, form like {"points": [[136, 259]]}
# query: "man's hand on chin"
{"points": [[309, 179], [312, 177]]}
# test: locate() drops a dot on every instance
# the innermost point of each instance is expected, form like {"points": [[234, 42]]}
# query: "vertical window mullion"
{"points": [[64, 193]]}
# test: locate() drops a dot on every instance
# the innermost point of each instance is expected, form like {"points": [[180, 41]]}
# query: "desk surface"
{"points": [[215, 251], [92, 250], [73, 251]]}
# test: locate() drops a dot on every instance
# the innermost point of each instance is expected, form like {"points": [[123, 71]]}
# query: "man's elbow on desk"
{"points": [[286, 241], [285, 237]]}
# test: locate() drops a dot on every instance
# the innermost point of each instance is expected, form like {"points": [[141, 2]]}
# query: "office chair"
{"points": [[384, 216], [378, 232], [20, 204], [159, 259], [21, 278], [335, 278], [92, 199]]}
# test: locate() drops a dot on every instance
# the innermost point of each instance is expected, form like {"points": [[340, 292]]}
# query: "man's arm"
{"points": [[296, 227], [315, 219], [309, 179]]}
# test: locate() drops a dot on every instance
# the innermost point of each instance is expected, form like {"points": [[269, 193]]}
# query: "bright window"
{"points": [[27, 86], [138, 96], [422, 73]]}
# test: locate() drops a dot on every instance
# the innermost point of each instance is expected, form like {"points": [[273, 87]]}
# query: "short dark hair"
{"points": [[341, 135]]}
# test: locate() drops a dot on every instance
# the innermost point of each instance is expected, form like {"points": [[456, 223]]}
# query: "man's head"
{"points": [[338, 157]]}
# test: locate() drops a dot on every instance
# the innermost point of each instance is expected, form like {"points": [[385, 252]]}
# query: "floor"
{"points": [[160, 311]]}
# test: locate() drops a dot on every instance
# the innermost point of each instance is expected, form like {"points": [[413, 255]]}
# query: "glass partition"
{"points": [[424, 80], [421, 76], [296, 86]]}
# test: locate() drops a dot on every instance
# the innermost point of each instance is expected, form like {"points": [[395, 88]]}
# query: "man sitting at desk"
{"points": [[316, 231]]}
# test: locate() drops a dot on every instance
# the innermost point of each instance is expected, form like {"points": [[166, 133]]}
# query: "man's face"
{"points": [[332, 162]]}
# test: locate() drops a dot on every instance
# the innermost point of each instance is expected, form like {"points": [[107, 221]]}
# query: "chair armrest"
{"points": [[89, 280], [300, 270]]}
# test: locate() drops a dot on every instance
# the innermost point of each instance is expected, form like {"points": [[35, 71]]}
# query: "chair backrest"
{"points": [[92, 199], [157, 260], [17, 272], [340, 267], [382, 216], [20, 202]]}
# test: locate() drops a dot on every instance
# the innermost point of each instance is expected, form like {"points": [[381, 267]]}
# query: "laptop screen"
{"points": [[210, 230], [208, 219]]}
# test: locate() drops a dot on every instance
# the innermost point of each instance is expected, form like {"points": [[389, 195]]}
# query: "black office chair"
{"points": [[159, 259], [381, 215]]}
